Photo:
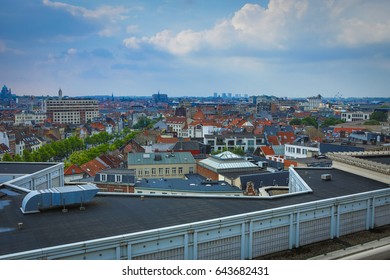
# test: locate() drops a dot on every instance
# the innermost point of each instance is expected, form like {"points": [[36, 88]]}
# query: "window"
{"points": [[161, 171], [166, 171], [103, 177], [154, 171], [191, 170], [298, 150], [118, 178], [146, 171], [180, 170], [174, 171], [140, 172]]}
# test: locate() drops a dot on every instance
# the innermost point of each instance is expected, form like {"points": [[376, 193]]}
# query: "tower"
{"points": [[60, 94]]}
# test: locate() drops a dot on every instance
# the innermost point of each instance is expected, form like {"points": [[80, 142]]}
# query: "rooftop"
{"points": [[129, 214], [194, 184], [7, 168], [160, 158]]}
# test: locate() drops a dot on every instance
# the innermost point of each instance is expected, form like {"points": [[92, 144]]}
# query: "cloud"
{"points": [[108, 15], [132, 29], [282, 25], [101, 12], [5, 49]]}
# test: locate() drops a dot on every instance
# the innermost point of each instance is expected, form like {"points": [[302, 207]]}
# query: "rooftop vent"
{"points": [[38, 200], [326, 177]]}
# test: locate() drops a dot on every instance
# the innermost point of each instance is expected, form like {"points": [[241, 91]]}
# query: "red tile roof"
{"points": [[94, 166], [73, 169], [286, 137], [267, 150], [199, 115], [169, 140], [273, 140]]}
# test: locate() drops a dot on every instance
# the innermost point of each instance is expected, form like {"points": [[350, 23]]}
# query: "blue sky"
{"points": [[287, 48]]}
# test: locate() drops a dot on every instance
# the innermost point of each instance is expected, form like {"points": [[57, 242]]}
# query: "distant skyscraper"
{"points": [[215, 94]]}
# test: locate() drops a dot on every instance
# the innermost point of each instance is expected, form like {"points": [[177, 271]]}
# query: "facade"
{"points": [[198, 129], [355, 116], [74, 111], [247, 142], [115, 180], [300, 151], [27, 142], [313, 103], [30, 118], [177, 125], [162, 165]]}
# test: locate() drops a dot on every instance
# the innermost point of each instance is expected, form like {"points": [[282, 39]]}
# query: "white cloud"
{"points": [[109, 15], [132, 42], [131, 29], [101, 12], [283, 25], [5, 49], [72, 51]]}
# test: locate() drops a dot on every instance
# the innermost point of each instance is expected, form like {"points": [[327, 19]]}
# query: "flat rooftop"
{"points": [[23, 168], [194, 183], [115, 215]]}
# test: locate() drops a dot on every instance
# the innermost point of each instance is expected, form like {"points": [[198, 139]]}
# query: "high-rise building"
{"points": [[71, 110]]}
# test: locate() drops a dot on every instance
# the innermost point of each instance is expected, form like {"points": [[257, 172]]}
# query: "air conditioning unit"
{"points": [[326, 177]]}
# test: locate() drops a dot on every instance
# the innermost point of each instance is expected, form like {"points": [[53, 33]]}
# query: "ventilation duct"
{"points": [[38, 200]]}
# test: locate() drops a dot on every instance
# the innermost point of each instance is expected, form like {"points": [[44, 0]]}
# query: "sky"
{"points": [[286, 48]]}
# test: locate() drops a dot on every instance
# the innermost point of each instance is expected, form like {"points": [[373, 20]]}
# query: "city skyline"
{"points": [[195, 48]]}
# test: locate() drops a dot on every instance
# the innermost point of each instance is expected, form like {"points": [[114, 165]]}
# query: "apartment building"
{"points": [[75, 111], [355, 116], [29, 118], [162, 165]]}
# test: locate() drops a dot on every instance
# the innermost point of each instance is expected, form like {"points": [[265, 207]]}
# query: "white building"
{"points": [[313, 103], [355, 116], [29, 118], [297, 151], [75, 111], [30, 143]]}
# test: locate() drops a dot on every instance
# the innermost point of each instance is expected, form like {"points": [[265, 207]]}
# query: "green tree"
{"points": [[7, 157], [331, 121], [296, 121], [310, 121], [27, 157], [36, 156], [237, 150], [142, 123], [379, 116], [18, 158], [44, 155]]}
